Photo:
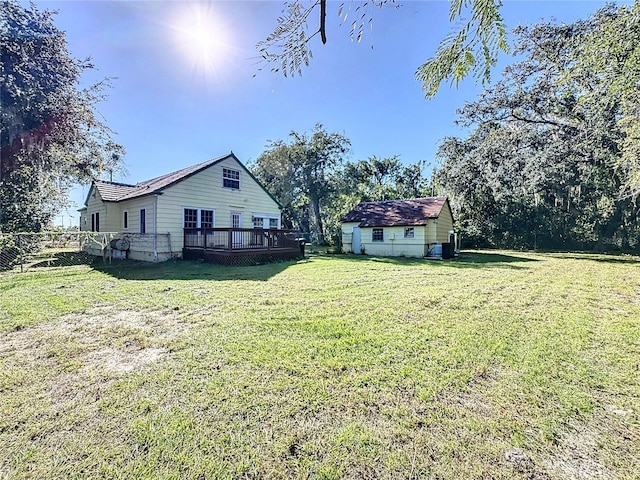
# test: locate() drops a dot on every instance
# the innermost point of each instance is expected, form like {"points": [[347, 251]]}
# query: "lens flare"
{"points": [[200, 35]]}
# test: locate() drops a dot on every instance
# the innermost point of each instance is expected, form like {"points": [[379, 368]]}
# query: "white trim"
{"points": [[199, 215], [126, 226], [240, 219], [268, 216], [155, 228], [140, 210], [239, 179], [95, 221]]}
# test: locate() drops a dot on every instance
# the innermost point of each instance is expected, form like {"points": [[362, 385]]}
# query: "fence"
{"points": [[20, 252]]}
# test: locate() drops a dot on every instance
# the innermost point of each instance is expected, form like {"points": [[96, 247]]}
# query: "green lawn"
{"points": [[494, 365]]}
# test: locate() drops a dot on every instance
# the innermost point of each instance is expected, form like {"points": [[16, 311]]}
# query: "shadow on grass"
{"points": [[465, 260], [618, 258], [188, 270], [61, 259], [198, 270]]}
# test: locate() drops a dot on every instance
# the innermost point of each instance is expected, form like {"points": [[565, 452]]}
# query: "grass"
{"points": [[494, 365]]}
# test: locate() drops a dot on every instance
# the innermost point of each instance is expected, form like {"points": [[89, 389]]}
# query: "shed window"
{"points": [[409, 232], [377, 235], [125, 220], [273, 223], [231, 178]]}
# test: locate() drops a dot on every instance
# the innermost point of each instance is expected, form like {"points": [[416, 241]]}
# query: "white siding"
{"points": [[108, 213], [204, 190], [133, 208], [149, 248], [444, 224], [164, 212], [347, 236], [394, 243]]}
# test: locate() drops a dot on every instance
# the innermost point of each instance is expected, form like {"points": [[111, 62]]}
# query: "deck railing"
{"points": [[233, 239]]}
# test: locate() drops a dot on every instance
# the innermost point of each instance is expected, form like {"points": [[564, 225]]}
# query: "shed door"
{"points": [[356, 242]]}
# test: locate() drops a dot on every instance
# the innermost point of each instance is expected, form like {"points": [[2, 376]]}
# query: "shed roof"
{"points": [[390, 213]]}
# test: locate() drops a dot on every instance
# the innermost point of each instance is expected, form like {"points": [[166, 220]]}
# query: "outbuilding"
{"points": [[416, 227]]}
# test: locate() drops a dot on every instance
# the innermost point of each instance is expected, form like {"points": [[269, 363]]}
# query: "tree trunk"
{"points": [[315, 208], [607, 231]]}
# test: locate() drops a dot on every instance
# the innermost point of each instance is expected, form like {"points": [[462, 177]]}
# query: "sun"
{"points": [[200, 35]]}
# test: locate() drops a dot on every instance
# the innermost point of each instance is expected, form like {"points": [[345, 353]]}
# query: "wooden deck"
{"points": [[241, 246]]}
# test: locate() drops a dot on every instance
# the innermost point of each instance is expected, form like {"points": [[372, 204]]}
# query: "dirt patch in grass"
{"points": [[57, 376], [101, 338], [80, 355], [603, 445], [576, 455], [585, 450]]}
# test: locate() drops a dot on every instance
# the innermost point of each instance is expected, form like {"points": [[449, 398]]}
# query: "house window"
{"points": [[95, 222], [125, 220], [264, 221], [198, 218], [143, 220], [409, 232], [190, 218], [231, 178], [377, 235], [206, 218]]}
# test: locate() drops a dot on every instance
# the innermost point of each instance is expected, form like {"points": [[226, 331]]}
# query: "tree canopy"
{"points": [[550, 158], [301, 175], [470, 50], [51, 135], [316, 186]]}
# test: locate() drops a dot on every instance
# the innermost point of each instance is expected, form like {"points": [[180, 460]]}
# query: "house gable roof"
{"points": [[118, 192], [392, 213], [111, 191]]}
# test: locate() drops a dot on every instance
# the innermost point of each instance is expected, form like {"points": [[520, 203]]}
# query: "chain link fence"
{"points": [[21, 252]]}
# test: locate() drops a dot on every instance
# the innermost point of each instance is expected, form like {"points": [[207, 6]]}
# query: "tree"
{"points": [[541, 165], [276, 170], [373, 179], [50, 134], [301, 174], [377, 179], [473, 49], [608, 57]]}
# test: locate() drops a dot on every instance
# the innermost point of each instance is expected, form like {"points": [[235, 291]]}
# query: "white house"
{"points": [[410, 228], [155, 213]]}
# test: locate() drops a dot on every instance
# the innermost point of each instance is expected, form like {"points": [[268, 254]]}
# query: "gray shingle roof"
{"points": [[392, 213], [111, 191]]}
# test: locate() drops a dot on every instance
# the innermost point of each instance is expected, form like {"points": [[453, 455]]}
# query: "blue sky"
{"points": [[174, 104]]}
